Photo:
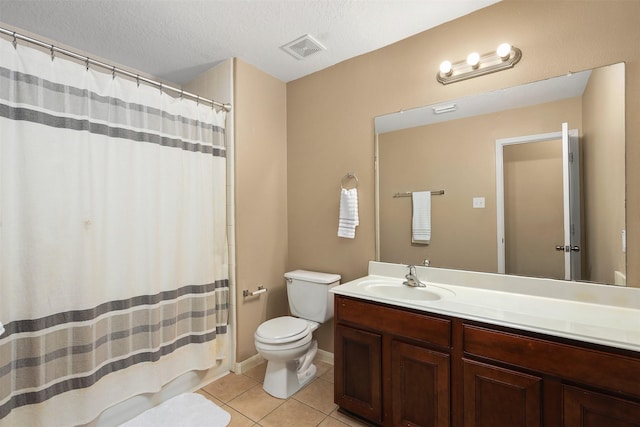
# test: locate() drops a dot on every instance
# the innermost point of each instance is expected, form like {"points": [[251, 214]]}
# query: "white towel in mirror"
{"points": [[348, 220], [421, 220]]}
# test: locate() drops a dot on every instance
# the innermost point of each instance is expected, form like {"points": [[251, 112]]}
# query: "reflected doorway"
{"points": [[533, 209], [538, 205]]}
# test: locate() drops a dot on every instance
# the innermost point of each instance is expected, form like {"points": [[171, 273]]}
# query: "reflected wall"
{"points": [[459, 158]]}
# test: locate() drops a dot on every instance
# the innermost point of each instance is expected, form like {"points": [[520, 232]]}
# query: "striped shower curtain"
{"points": [[113, 249]]}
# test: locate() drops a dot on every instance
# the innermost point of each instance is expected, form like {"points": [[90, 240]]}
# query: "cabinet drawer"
{"points": [[585, 365], [394, 321]]}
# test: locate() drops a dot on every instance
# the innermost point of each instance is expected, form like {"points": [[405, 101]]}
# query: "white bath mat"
{"points": [[184, 410]]}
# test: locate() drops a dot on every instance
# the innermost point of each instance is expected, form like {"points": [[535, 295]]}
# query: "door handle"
{"points": [[568, 248]]}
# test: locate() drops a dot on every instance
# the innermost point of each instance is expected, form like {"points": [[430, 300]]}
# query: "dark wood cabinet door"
{"points": [[500, 397], [582, 408], [419, 386], [358, 372]]}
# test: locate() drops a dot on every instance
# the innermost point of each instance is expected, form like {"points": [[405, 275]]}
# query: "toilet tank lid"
{"points": [[312, 276]]}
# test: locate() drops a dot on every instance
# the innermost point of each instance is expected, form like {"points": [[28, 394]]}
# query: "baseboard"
{"points": [[324, 356], [619, 278], [245, 365]]}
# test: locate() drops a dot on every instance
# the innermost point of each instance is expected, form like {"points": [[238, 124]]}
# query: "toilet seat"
{"points": [[282, 330], [283, 347]]}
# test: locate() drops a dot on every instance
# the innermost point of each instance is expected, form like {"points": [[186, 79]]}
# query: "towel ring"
{"points": [[345, 179]]}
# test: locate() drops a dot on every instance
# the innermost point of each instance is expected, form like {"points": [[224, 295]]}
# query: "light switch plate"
{"points": [[478, 202]]}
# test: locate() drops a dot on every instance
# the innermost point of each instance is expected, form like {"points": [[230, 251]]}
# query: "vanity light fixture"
{"points": [[446, 68], [504, 57], [473, 60]]}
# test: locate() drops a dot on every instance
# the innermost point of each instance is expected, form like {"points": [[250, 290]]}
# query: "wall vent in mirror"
{"points": [[445, 109]]}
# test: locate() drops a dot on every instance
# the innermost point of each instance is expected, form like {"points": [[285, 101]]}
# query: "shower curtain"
{"points": [[113, 247]]}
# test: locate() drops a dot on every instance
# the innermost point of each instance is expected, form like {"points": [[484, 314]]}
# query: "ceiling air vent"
{"points": [[303, 47]]}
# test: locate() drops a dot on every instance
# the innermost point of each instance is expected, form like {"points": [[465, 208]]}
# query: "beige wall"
{"points": [[603, 146], [260, 151], [216, 83], [458, 157], [330, 113], [261, 200]]}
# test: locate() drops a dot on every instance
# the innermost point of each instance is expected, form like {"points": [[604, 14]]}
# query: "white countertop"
{"points": [[600, 314]]}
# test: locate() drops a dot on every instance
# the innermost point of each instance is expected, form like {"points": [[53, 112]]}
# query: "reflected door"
{"points": [[538, 203], [533, 209]]}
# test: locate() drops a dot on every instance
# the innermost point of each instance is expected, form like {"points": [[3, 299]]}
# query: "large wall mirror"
{"points": [[509, 191]]}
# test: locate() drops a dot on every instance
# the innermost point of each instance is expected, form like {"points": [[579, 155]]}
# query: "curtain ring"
{"points": [[53, 55], [113, 73], [161, 87], [138, 80], [15, 41], [86, 63], [197, 99], [181, 94]]}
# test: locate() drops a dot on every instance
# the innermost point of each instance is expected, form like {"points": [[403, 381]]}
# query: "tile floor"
{"points": [[249, 405]]}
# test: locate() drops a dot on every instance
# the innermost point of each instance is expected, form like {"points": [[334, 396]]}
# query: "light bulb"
{"points": [[473, 59], [445, 68], [504, 50]]}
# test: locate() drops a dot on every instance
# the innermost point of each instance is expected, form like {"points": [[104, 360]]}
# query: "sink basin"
{"points": [[398, 291]]}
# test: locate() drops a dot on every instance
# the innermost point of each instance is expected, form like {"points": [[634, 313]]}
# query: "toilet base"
{"points": [[284, 378]]}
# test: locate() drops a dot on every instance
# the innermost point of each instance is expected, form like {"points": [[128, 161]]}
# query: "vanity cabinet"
{"points": [[570, 373], [360, 371], [392, 366], [401, 367]]}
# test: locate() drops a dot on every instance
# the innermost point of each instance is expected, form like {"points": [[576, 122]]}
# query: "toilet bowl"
{"points": [[287, 342], [289, 354]]}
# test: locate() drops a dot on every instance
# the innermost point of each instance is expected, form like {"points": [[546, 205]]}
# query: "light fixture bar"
{"points": [[486, 64]]}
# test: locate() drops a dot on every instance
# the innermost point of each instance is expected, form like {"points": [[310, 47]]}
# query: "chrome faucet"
{"points": [[412, 278]]}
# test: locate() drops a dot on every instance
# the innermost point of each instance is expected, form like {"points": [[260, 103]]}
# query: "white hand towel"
{"points": [[421, 220], [348, 219]]}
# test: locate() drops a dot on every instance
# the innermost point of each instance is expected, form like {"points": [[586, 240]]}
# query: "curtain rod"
{"points": [[112, 68]]}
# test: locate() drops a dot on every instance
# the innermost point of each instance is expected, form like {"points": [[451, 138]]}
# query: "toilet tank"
{"points": [[309, 296]]}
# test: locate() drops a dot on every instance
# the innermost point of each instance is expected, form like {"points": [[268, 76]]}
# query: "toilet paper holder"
{"points": [[247, 293]]}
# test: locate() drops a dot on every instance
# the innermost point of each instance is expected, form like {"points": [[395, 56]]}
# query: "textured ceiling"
{"points": [[178, 39]]}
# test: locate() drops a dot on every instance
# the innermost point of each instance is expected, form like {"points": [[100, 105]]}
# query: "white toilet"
{"points": [[286, 342]]}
